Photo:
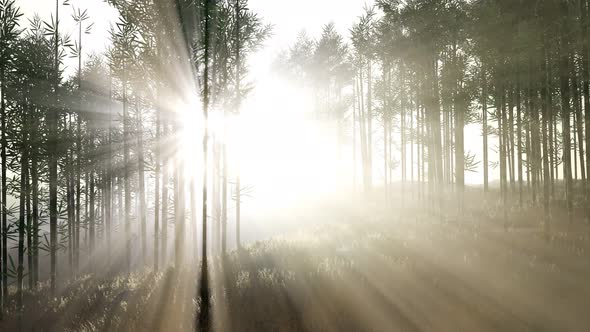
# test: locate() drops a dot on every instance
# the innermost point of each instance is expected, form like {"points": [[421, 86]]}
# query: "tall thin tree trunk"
{"points": [[204, 319], [127, 171], [92, 216], [578, 125], [194, 218], [91, 170], [238, 65], [52, 144], [586, 92], [459, 145], [224, 193], [565, 102], [24, 168], [511, 146], [529, 157], [21, 225], [3, 214], [519, 142], [501, 110], [402, 125], [29, 229], [546, 175], [157, 161], [370, 123], [141, 181], [178, 212], [484, 98], [354, 120], [533, 124], [69, 175], [412, 138], [552, 126], [76, 226], [436, 132], [215, 195], [109, 175], [363, 132], [35, 193]]}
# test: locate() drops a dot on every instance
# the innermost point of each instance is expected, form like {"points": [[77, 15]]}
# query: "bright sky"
{"points": [[310, 15], [101, 14], [287, 18]]}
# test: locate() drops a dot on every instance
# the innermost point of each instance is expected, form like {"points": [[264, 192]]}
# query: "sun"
{"points": [[274, 144]]}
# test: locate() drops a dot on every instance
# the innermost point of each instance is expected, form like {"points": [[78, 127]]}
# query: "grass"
{"points": [[371, 269]]}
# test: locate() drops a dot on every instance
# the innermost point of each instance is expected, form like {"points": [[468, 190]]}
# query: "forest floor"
{"points": [[366, 269]]}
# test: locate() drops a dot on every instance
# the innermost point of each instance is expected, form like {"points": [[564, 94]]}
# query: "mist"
{"points": [[258, 165]]}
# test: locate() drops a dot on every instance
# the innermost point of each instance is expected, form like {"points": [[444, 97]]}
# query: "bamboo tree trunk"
{"points": [[109, 179], [370, 123], [178, 215], [165, 199], [224, 195], [215, 195], [556, 146], [29, 229], [552, 126], [194, 218], [354, 120], [419, 145], [402, 125], [91, 193], [511, 146], [385, 115], [52, 144], [141, 181], [92, 217], [459, 146], [127, 171], [363, 132], [546, 175], [574, 120], [436, 131], [69, 199], [385, 156], [533, 113], [157, 161], [4, 277], [586, 92], [4, 239], [502, 142], [535, 143], [412, 140], [176, 200], [578, 125], [529, 154], [424, 140], [75, 226], [4, 226], [565, 102], [22, 206], [238, 68], [204, 318], [519, 142], [35, 193], [21, 227], [485, 129], [506, 151], [120, 206]]}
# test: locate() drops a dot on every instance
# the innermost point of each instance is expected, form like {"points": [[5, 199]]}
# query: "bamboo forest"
{"points": [[312, 165]]}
